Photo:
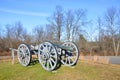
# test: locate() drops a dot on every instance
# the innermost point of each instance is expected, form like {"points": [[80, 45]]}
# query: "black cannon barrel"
{"points": [[64, 47]]}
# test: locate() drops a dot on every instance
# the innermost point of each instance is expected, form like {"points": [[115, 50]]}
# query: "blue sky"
{"points": [[35, 12]]}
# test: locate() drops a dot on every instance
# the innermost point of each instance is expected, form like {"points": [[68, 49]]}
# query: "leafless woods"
{"points": [[70, 25]]}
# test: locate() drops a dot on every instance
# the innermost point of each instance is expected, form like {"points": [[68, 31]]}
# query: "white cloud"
{"points": [[24, 12]]}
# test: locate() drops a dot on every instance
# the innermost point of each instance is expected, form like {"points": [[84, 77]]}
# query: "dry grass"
{"points": [[82, 71]]}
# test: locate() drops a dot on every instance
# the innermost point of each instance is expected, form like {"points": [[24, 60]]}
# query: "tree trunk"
{"points": [[116, 48]]}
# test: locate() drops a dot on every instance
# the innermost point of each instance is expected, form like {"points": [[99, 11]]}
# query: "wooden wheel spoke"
{"points": [[24, 54], [70, 56], [52, 60], [50, 63], [48, 54]]}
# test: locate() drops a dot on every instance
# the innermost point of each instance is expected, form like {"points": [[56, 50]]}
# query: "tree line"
{"points": [[70, 25]]}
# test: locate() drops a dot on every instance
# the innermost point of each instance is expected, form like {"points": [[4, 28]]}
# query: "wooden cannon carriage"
{"points": [[49, 54]]}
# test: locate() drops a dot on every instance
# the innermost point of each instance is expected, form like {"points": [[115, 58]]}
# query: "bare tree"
{"points": [[27, 38], [0, 32], [38, 34], [69, 23], [100, 25], [103, 37], [19, 30], [101, 42], [9, 35], [49, 33], [111, 19], [57, 22], [14, 34], [79, 22], [73, 23], [1, 42]]}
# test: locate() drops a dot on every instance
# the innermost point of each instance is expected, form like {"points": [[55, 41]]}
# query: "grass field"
{"points": [[82, 71]]}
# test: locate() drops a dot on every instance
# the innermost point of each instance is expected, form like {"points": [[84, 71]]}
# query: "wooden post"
{"points": [[12, 54]]}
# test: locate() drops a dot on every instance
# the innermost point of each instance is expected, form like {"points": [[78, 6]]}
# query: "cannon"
{"points": [[49, 54]]}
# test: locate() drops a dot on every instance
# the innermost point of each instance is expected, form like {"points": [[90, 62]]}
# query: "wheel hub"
{"points": [[46, 56]]}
